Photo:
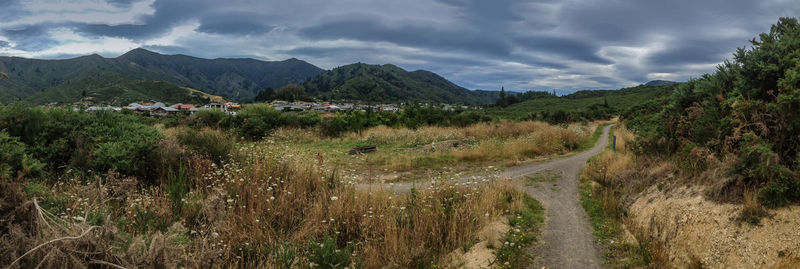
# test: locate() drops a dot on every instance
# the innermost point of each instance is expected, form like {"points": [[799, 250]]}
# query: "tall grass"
{"points": [[260, 210]]}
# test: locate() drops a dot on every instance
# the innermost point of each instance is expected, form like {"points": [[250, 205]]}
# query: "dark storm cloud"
{"points": [[369, 28], [695, 51], [168, 14], [11, 10], [604, 80], [30, 37], [234, 24], [476, 43], [320, 52], [568, 47]]}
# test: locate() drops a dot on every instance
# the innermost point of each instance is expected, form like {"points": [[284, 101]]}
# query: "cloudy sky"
{"points": [[478, 44]]}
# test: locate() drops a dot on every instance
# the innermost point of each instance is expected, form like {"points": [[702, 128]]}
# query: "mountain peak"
{"points": [[137, 52]]}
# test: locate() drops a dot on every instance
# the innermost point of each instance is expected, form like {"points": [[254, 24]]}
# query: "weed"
{"points": [[177, 187], [327, 254], [467, 245], [285, 255], [525, 223]]}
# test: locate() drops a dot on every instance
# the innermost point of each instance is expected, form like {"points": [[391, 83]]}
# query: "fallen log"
{"points": [[364, 149]]}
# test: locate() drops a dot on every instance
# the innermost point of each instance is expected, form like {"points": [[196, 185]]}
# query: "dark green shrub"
{"points": [[334, 126], [117, 142], [258, 120], [213, 118], [97, 141], [14, 161]]}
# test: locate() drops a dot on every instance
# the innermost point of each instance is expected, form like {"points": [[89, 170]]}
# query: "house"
{"points": [[164, 111], [182, 106], [132, 106], [390, 107], [102, 108], [215, 106], [232, 106]]}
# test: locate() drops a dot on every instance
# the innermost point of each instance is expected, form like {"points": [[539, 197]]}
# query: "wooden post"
{"points": [[614, 145]]}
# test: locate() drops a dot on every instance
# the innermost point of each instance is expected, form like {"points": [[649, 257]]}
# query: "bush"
{"points": [[258, 120], [211, 143], [14, 161], [334, 126], [746, 111], [99, 141], [210, 118], [118, 142]]}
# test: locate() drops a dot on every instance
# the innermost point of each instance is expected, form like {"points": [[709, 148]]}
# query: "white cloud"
{"points": [[71, 43]]}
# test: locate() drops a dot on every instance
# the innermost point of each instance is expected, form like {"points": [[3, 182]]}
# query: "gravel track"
{"points": [[566, 240]]}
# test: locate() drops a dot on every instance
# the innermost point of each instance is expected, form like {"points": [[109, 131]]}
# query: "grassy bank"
{"points": [[600, 196]]}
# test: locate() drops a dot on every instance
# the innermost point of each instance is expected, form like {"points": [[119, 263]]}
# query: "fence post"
{"points": [[614, 145]]}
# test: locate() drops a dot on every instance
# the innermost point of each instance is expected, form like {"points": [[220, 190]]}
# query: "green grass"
{"points": [[525, 227], [604, 227], [607, 228], [544, 176], [467, 245]]}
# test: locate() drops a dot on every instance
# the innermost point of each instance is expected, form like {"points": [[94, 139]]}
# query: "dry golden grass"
{"points": [[242, 213], [434, 148]]}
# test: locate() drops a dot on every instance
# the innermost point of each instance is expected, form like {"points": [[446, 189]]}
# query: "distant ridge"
{"points": [[659, 83], [142, 75], [391, 84]]}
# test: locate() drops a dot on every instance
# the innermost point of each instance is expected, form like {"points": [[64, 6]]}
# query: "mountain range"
{"points": [[142, 75], [70, 80]]}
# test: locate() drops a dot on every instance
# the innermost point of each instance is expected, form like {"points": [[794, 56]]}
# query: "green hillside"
{"points": [[237, 79], [113, 89], [390, 84], [618, 101]]}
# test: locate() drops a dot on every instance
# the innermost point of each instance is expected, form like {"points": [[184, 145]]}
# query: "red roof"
{"points": [[183, 106]]}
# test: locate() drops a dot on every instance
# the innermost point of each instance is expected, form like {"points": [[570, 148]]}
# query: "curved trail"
{"points": [[566, 239]]}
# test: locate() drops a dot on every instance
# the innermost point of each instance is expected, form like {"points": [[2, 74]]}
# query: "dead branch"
{"points": [[39, 211], [52, 241]]}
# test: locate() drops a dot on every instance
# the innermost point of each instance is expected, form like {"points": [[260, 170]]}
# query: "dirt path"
{"points": [[566, 240]]}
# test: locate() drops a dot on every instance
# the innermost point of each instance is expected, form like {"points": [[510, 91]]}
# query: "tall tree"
{"points": [[503, 101], [266, 95], [292, 93]]}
